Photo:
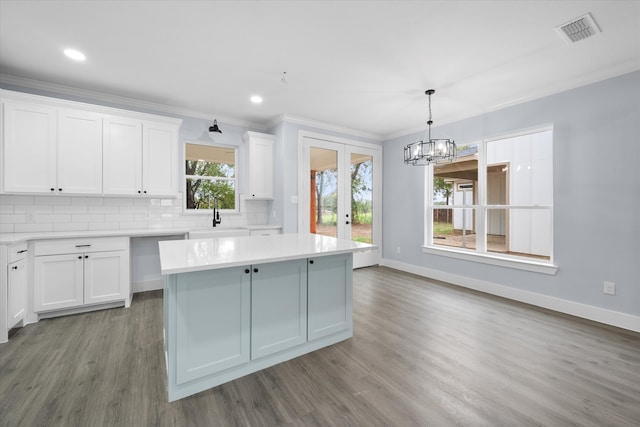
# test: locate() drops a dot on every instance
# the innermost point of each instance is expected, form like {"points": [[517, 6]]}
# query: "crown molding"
{"points": [[54, 88], [621, 69], [289, 118]]}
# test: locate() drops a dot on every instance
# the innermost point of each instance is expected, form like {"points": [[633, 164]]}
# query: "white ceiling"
{"points": [[360, 65]]}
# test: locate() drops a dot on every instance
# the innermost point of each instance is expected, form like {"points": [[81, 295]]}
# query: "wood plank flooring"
{"points": [[423, 353]]}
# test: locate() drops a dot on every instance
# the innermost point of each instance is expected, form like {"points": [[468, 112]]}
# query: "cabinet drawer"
{"points": [[265, 232], [71, 246], [17, 252]]}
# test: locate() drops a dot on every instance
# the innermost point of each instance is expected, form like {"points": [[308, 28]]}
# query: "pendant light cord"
{"points": [[428, 131]]}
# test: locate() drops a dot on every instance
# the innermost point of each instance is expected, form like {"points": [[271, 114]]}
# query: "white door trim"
{"points": [[348, 145]]}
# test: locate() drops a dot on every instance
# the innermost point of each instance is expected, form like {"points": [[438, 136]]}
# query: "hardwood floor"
{"points": [[423, 354]]}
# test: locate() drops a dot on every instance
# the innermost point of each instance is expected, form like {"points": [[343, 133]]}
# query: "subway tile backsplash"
{"points": [[19, 213]]}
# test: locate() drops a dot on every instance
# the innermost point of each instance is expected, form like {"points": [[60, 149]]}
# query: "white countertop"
{"points": [[181, 256], [11, 238]]}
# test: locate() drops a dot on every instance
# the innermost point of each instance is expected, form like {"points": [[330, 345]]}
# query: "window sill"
{"points": [[493, 259]]}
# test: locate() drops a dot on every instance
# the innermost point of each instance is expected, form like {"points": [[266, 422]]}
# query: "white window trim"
{"points": [[209, 212], [492, 259], [480, 254]]}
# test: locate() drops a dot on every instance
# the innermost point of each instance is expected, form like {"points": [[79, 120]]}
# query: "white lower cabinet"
{"points": [[13, 287], [16, 292], [106, 277], [71, 273], [58, 282]]}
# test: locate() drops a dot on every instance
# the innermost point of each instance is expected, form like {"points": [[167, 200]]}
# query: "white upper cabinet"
{"points": [[258, 165], [29, 152], [122, 156], [159, 158], [79, 152], [140, 157], [56, 146], [49, 150]]}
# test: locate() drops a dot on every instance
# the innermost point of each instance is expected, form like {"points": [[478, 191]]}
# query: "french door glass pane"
{"points": [[361, 172], [323, 191]]}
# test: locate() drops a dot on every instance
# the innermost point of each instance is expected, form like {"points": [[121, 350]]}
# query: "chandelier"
{"points": [[422, 153]]}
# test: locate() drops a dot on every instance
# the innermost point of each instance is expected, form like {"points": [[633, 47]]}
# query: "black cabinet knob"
{"points": [[347, 222], [139, 191], [15, 267], [80, 257], [145, 191], [59, 189], [53, 189], [255, 270], [310, 261], [86, 256], [246, 270]]}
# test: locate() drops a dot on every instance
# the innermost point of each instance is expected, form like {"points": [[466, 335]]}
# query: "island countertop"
{"points": [[181, 256]]}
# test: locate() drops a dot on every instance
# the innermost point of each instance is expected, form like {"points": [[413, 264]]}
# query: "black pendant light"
{"points": [[429, 150], [215, 127]]}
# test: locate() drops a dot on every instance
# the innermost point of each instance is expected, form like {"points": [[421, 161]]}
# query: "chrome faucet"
{"points": [[216, 213]]}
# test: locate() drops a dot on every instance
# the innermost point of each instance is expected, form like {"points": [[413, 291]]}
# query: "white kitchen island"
{"points": [[236, 305]]}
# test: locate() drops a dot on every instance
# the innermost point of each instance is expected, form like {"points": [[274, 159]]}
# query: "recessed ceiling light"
{"points": [[76, 55], [256, 99]]}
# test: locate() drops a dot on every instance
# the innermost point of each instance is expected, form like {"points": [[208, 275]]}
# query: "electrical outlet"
{"points": [[609, 288]]}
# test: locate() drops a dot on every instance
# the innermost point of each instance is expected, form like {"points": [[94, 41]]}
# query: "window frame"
{"points": [[480, 253], [209, 212]]}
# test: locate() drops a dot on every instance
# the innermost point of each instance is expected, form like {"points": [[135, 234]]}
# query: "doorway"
{"points": [[339, 192]]}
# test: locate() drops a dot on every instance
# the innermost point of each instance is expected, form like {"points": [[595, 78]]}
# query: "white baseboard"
{"points": [[149, 285], [608, 317]]}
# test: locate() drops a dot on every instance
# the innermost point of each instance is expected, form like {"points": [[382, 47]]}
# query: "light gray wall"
{"points": [[596, 194]]}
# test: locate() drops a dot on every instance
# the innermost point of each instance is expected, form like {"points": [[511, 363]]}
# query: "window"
{"points": [[495, 199], [210, 173]]}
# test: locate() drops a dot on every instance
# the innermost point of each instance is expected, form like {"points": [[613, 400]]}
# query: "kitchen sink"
{"points": [[210, 233]]}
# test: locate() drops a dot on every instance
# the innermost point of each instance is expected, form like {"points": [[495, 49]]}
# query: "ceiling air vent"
{"points": [[578, 29]]}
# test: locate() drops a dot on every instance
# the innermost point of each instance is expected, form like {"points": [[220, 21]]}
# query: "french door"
{"points": [[339, 193]]}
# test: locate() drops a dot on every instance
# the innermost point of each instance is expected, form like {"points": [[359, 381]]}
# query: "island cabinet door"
{"points": [[278, 306], [330, 295], [212, 321]]}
